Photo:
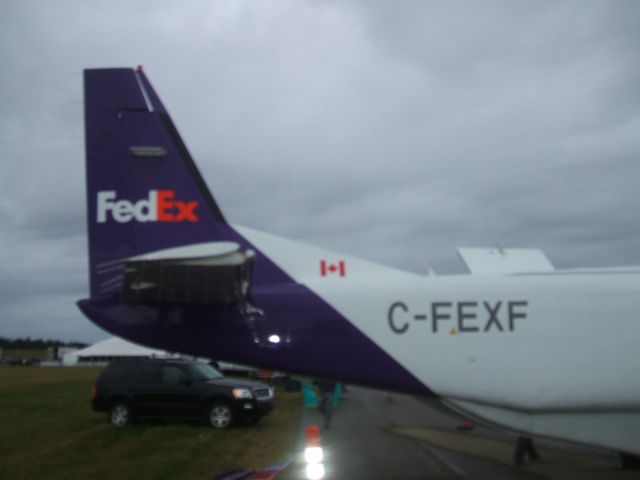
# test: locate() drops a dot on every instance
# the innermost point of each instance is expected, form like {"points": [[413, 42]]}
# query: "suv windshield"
{"points": [[202, 371]]}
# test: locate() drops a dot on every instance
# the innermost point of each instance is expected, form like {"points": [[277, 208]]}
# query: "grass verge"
{"points": [[49, 431]]}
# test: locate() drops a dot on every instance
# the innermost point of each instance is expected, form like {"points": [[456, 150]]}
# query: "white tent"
{"points": [[116, 348], [111, 349]]}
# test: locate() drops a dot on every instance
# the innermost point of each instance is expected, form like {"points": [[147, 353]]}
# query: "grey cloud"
{"points": [[395, 131]]}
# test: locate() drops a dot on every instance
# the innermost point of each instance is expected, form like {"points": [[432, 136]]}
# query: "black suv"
{"points": [[177, 389]]}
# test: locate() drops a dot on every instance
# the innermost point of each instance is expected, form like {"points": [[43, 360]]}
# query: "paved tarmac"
{"points": [[375, 435]]}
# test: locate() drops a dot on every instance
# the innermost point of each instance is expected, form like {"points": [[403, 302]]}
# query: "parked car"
{"points": [[177, 389]]}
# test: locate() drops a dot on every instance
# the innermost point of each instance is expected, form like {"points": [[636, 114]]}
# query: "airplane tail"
{"points": [[168, 271], [146, 201]]}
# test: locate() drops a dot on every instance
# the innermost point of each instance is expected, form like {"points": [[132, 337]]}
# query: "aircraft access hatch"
{"points": [[218, 273]]}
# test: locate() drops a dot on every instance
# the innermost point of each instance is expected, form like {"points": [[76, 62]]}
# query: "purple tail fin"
{"points": [[144, 192]]}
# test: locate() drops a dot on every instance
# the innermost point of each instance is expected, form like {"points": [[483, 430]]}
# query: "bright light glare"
{"points": [[315, 471], [313, 454], [274, 339]]}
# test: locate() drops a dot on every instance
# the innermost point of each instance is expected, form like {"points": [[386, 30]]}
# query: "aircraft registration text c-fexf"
{"points": [[515, 342], [459, 317]]}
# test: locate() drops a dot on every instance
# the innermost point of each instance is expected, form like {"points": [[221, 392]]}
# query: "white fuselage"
{"points": [[567, 342], [552, 354]]}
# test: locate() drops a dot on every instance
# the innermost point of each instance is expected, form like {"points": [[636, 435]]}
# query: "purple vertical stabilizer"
{"points": [[144, 192], [147, 206]]}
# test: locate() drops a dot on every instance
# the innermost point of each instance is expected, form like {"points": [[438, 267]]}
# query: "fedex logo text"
{"points": [[159, 206]]}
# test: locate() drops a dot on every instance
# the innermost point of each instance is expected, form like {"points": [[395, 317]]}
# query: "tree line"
{"points": [[36, 343]]}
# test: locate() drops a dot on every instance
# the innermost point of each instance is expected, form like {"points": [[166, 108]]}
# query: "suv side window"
{"points": [[115, 373], [173, 375], [148, 373]]}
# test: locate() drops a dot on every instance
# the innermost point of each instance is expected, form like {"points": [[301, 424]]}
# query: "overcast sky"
{"points": [[392, 130]]}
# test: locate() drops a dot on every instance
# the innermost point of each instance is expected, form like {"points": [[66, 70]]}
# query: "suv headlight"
{"points": [[242, 393]]}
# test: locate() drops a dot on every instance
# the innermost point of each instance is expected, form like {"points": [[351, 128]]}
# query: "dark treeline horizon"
{"points": [[36, 343]]}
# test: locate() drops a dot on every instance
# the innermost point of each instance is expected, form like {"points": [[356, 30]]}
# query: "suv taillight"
{"points": [[93, 392]]}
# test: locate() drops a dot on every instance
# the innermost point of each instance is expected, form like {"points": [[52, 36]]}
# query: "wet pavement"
{"points": [[376, 435]]}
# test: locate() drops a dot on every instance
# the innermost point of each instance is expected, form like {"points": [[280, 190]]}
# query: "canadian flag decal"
{"points": [[327, 268]]}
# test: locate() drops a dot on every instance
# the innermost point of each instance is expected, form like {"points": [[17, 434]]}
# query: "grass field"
{"points": [[49, 431], [39, 354]]}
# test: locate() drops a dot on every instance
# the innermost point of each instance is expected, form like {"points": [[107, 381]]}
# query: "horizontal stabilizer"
{"points": [[504, 260]]}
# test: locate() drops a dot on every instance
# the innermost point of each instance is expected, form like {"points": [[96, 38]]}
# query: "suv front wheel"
{"points": [[220, 415], [120, 414]]}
